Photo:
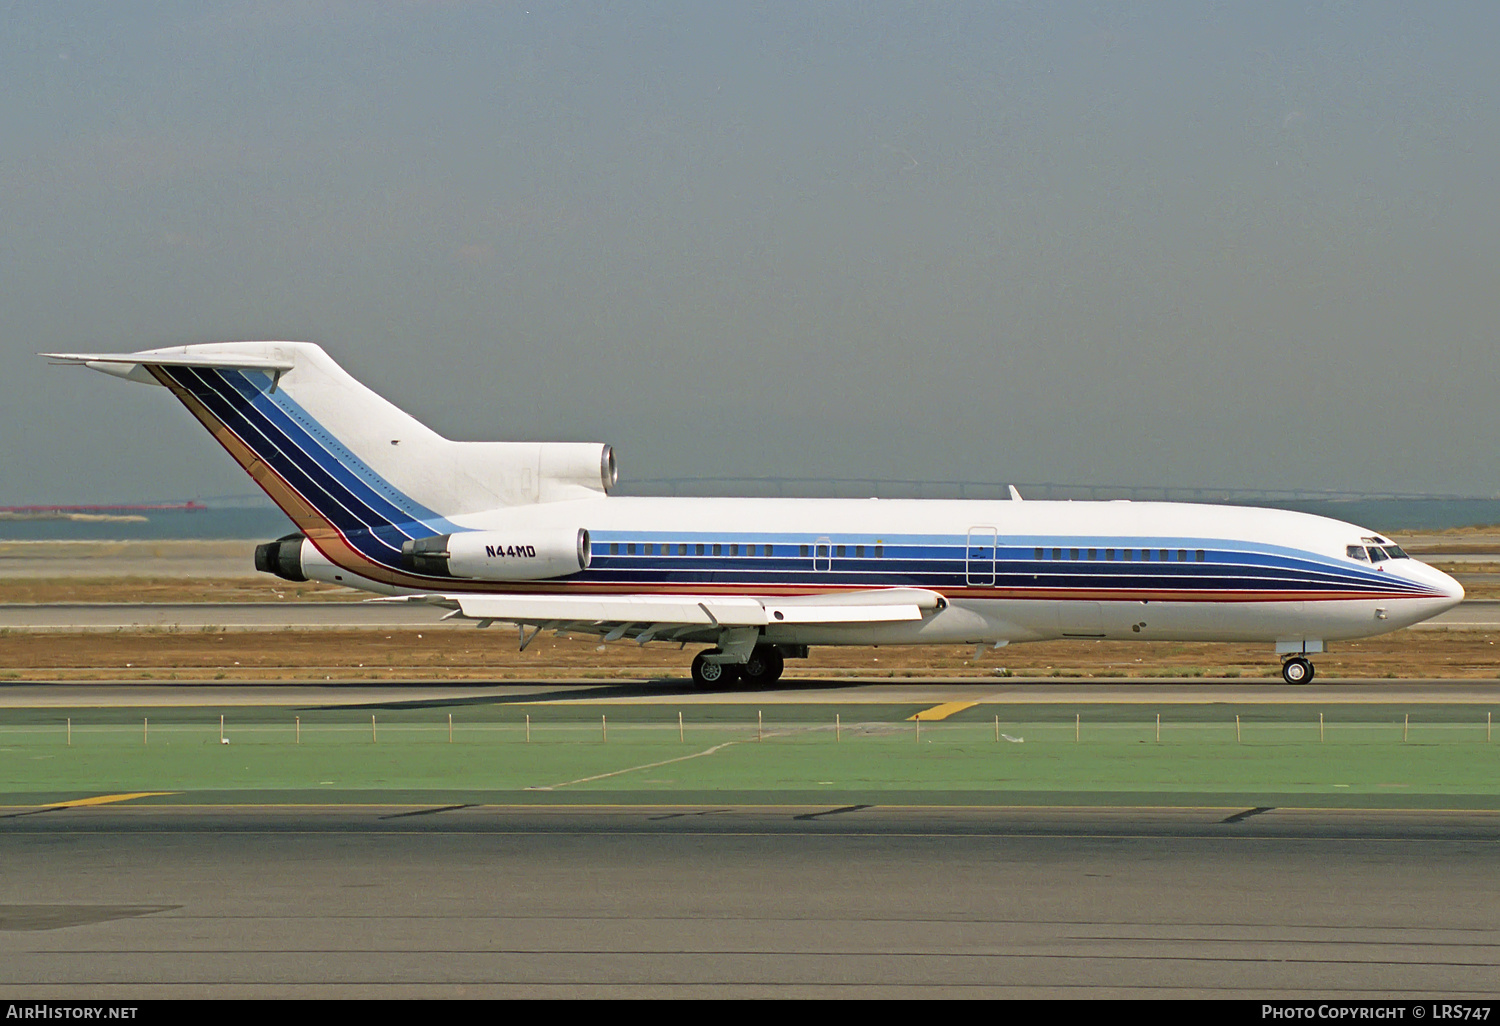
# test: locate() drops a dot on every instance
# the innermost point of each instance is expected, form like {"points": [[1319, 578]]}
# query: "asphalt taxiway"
{"points": [[110, 897], [386, 902]]}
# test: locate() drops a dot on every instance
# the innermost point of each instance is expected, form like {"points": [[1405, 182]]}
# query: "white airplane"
{"points": [[526, 534]]}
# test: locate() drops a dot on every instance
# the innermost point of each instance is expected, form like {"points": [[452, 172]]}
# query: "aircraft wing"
{"points": [[683, 617]]}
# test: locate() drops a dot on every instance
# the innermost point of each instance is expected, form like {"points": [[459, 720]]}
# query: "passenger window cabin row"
{"points": [[1125, 555], [824, 549]]}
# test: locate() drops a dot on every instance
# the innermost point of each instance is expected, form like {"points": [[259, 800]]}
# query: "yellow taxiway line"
{"points": [[106, 799], [942, 712]]}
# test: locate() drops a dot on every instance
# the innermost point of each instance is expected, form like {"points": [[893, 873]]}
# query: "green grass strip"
{"points": [[1374, 754]]}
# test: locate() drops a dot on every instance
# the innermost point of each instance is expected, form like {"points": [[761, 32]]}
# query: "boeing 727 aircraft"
{"points": [[526, 534]]}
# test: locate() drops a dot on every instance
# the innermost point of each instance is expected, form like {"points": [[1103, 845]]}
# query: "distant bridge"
{"points": [[894, 488], [137, 507], [910, 488]]}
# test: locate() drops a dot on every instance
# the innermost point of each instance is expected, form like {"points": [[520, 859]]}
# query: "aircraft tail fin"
{"points": [[339, 458]]}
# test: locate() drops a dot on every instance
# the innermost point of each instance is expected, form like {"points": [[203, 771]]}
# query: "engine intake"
{"points": [[526, 555], [282, 557]]}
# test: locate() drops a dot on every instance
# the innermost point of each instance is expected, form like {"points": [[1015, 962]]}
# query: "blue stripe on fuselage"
{"points": [[933, 564], [371, 513]]}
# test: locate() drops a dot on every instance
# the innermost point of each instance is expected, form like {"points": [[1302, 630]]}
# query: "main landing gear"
{"points": [[711, 675], [763, 667], [1297, 670]]}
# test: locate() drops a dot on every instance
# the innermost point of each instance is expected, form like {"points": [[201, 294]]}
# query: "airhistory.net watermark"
{"points": [[67, 1010]]}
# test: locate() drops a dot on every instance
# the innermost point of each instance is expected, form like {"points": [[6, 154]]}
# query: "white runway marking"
{"points": [[646, 766]]}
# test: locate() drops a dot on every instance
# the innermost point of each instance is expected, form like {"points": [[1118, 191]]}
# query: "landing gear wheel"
{"points": [[713, 675], [763, 667], [1297, 670]]}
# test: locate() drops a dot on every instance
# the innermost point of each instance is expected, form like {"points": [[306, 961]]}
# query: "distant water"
{"points": [[267, 522], [260, 522], [1385, 515]]}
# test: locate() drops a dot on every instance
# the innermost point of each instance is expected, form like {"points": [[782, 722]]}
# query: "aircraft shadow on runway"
{"points": [[649, 690]]}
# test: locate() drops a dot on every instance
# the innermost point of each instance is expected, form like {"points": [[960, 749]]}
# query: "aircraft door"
{"points": [[823, 554], [979, 555]]}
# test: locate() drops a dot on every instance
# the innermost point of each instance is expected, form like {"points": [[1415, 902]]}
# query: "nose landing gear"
{"points": [[1297, 670]]}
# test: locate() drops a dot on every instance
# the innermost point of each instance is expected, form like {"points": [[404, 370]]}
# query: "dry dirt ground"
{"points": [[465, 654], [17, 590]]}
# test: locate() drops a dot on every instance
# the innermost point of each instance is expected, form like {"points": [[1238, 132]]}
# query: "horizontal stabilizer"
{"points": [[237, 361], [133, 366]]}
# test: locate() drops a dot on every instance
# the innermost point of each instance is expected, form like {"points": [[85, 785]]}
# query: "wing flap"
{"points": [[706, 611], [885, 613], [656, 613]]}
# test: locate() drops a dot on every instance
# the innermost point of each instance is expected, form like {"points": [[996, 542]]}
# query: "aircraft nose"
{"points": [[1453, 589], [1434, 578]]}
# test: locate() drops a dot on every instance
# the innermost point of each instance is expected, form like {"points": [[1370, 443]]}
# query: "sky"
{"points": [[1202, 244]]}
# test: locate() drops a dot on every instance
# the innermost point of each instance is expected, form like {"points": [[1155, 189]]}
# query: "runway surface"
{"points": [[853, 898], [1474, 614], [722, 900], [726, 902]]}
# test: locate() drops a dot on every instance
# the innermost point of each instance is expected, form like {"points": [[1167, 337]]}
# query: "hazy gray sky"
{"points": [[1188, 244]]}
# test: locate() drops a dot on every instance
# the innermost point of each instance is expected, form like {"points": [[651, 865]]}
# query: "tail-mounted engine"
{"points": [[282, 557], [527, 555]]}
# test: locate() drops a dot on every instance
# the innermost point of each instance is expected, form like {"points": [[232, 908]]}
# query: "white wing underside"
{"points": [[683, 617]]}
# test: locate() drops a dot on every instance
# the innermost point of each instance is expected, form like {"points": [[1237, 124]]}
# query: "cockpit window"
{"points": [[1357, 552], [1376, 550]]}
